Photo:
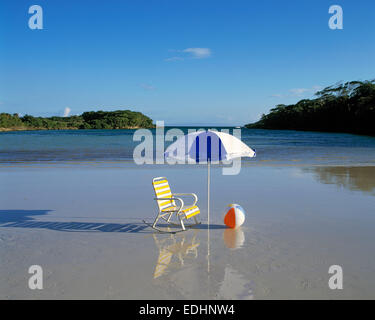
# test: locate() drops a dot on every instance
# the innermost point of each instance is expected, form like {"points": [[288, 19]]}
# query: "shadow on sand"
{"points": [[24, 219]]}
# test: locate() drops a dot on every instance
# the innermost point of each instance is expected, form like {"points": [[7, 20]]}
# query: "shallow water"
{"points": [[83, 225], [273, 146]]}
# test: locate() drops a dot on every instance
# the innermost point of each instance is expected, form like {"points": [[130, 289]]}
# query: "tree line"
{"points": [[120, 119], [344, 107]]}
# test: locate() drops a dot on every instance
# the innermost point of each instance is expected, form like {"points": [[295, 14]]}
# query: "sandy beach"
{"points": [[101, 101], [83, 225]]}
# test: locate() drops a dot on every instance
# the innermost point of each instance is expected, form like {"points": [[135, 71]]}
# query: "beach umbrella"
{"points": [[207, 147]]}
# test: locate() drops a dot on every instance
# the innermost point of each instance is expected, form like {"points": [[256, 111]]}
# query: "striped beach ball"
{"points": [[235, 216]]}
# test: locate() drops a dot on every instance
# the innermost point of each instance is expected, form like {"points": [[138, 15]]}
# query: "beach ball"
{"points": [[235, 216]]}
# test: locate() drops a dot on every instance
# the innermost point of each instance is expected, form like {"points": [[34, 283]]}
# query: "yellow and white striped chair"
{"points": [[167, 206]]}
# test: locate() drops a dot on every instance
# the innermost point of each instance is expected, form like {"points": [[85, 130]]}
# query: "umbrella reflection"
{"points": [[235, 286]]}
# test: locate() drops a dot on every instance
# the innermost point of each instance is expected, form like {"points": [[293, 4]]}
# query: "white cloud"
{"points": [[190, 53], [66, 112], [317, 88], [297, 92], [147, 87], [174, 59], [198, 53]]}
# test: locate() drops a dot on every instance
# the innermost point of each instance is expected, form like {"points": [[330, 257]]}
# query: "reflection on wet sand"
{"points": [[179, 268], [182, 247], [235, 286], [185, 246], [234, 238], [352, 178]]}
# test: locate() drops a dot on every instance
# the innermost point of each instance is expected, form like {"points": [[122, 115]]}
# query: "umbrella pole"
{"points": [[208, 216], [208, 193]]}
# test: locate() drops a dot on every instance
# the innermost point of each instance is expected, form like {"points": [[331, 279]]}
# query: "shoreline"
{"points": [[23, 129], [123, 164], [249, 127], [61, 129]]}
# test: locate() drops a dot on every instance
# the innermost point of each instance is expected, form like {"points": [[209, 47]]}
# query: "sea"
{"points": [[278, 147]]}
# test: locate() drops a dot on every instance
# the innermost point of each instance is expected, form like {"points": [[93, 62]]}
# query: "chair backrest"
{"points": [[162, 190]]}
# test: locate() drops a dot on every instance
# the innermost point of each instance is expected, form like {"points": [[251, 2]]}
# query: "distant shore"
{"points": [[47, 129], [14, 129], [344, 108], [119, 119]]}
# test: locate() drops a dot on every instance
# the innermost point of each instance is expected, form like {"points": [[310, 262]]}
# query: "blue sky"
{"points": [[185, 62]]}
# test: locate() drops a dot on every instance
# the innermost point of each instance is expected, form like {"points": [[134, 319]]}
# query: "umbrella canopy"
{"points": [[207, 146]]}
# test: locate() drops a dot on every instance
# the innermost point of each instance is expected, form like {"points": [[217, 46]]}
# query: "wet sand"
{"points": [[83, 225]]}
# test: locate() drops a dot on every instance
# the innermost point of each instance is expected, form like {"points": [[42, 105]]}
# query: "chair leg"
{"points": [[182, 223], [156, 220], [169, 217]]}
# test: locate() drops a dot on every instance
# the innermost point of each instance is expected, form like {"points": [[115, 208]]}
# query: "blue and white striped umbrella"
{"points": [[207, 146]]}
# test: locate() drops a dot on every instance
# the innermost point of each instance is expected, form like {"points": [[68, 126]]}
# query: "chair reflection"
{"points": [[183, 247]]}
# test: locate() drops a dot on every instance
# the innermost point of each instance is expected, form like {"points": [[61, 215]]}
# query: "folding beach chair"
{"points": [[167, 206]]}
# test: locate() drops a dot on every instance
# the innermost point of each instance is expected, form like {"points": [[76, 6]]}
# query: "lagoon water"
{"points": [[273, 146], [74, 203]]}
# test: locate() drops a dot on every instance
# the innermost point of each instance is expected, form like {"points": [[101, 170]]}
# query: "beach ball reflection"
{"points": [[235, 216], [233, 238]]}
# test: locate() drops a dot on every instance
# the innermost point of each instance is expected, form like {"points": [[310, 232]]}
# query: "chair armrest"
{"points": [[187, 194], [173, 198]]}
